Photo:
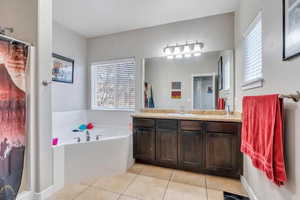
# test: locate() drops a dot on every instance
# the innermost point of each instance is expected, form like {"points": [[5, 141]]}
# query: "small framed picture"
{"points": [[176, 85], [176, 94], [291, 29], [63, 69]]}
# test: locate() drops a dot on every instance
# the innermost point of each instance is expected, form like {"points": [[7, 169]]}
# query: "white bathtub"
{"points": [[98, 134], [79, 161]]}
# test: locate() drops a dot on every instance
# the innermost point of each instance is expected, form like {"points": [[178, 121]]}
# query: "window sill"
{"points": [[257, 83], [225, 91], [111, 109]]}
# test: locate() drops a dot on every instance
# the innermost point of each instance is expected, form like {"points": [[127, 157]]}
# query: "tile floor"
{"points": [[146, 182]]}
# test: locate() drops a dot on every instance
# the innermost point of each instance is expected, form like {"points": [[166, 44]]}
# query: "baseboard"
{"points": [[27, 195], [130, 163], [248, 188], [45, 194]]}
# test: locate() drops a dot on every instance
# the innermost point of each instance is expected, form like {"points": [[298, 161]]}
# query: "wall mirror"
{"points": [[204, 82]]}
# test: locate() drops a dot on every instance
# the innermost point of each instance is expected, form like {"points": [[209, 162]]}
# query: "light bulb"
{"points": [[179, 56], [186, 49], [197, 47], [168, 51], [177, 50], [197, 54]]}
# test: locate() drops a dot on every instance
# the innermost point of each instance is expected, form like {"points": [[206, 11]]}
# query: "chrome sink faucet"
{"points": [[228, 111]]}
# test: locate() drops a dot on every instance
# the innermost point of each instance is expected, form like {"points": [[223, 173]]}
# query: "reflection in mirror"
{"points": [[194, 83]]}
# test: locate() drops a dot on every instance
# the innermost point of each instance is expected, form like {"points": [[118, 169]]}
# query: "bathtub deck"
{"points": [[146, 182]]}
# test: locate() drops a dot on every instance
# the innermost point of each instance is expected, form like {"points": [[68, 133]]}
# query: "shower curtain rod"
{"points": [[10, 39]]}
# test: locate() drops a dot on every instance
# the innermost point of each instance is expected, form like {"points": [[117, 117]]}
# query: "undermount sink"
{"points": [[181, 115]]}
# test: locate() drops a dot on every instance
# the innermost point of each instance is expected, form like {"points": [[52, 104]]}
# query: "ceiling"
{"points": [[92, 18]]}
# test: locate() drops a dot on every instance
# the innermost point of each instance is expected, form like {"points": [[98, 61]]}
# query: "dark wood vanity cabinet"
{"points": [[144, 140], [205, 147], [191, 145], [144, 144], [167, 143], [222, 153]]}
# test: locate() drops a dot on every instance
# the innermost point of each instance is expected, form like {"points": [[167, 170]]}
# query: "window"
{"points": [[253, 76], [113, 85]]}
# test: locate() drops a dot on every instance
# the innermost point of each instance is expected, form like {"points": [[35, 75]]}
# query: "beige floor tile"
{"points": [[57, 198], [215, 194], [157, 172], [97, 194], [89, 181], [117, 183], [69, 192], [136, 168], [225, 184], [189, 178], [180, 191], [147, 188], [124, 197]]}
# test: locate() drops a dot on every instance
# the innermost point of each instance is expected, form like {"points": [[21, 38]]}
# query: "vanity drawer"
{"points": [[191, 125], [166, 124], [221, 127], [147, 123]]}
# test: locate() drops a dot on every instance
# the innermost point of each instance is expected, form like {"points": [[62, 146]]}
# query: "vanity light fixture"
{"points": [[185, 50]]}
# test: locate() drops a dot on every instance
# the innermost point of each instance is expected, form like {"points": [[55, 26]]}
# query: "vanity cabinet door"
{"points": [[222, 149], [144, 144], [166, 147], [191, 150]]}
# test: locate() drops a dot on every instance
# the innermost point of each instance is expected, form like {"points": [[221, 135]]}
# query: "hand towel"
{"points": [[262, 135]]}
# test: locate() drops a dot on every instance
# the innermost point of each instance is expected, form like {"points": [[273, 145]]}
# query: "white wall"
{"points": [[22, 16], [280, 77], [74, 46], [160, 72], [216, 32]]}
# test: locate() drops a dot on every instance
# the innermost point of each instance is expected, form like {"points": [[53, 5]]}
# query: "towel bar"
{"points": [[295, 97]]}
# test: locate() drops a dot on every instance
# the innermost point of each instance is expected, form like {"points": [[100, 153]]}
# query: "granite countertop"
{"points": [[187, 116]]}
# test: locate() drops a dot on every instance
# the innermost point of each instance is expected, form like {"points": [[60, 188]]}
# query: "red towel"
{"points": [[221, 104], [262, 135]]}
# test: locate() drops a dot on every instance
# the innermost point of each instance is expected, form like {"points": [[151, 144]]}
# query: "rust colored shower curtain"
{"points": [[13, 59]]}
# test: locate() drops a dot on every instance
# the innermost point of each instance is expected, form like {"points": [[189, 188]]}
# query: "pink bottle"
{"points": [[54, 141]]}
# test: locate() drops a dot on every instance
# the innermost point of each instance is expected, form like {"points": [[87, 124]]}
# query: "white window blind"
{"points": [[253, 52], [113, 85]]}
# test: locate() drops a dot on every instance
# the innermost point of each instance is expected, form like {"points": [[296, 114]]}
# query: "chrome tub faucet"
{"points": [[88, 136], [78, 139]]}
